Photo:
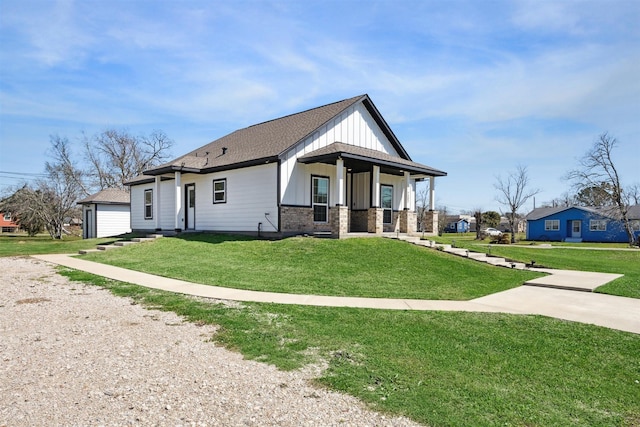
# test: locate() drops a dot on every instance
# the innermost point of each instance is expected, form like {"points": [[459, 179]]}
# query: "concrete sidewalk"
{"points": [[598, 309]]}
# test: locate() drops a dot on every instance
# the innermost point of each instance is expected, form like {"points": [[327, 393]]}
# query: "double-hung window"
{"points": [[386, 203], [320, 198], [148, 204], [598, 225], [552, 225], [220, 191]]}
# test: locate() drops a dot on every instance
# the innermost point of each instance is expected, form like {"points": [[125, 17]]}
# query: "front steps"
{"points": [[121, 244], [465, 253]]}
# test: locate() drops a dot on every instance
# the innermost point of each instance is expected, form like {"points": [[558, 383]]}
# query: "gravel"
{"points": [[75, 355]]}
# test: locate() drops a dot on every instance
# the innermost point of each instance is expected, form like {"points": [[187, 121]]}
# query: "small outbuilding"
{"points": [[106, 213]]}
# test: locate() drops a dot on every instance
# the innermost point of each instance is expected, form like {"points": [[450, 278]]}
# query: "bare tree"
{"points": [[633, 192], [422, 206], [477, 214], [63, 164], [513, 192], [116, 156], [597, 169], [565, 200], [443, 213], [51, 200]]}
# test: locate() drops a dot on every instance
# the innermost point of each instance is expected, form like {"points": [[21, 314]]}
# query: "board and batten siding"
{"points": [[355, 126], [112, 220]]}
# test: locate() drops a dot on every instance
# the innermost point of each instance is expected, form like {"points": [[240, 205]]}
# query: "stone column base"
{"points": [[408, 222], [431, 222], [374, 223], [339, 221]]}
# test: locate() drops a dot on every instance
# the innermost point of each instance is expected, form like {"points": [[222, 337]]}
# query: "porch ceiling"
{"points": [[360, 159]]}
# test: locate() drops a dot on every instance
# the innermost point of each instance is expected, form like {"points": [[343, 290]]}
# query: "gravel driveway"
{"points": [[76, 355]]}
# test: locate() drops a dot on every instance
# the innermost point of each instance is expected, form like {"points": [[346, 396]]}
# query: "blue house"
{"points": [[457, 226], [578, 224]]}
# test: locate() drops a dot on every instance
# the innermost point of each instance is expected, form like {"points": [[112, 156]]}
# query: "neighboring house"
{"points": [[579, 224], [106, 213], [334, 169], [455, 224], [505, 227], [7, 225]]}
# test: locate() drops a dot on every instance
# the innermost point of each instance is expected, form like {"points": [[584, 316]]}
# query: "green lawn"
{"points": [[365, 267], [604, 258], [438, 368], [19, 244]]}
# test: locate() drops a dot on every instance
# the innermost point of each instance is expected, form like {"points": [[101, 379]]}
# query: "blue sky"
{"points": [[474, 88]]}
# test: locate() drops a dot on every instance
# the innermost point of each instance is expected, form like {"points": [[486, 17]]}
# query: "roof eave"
{"points": [[240, 165], [331, 157]]}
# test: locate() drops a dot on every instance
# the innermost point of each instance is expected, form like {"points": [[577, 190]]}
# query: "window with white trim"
{"points": [[7, 216], [386, 203], [598, 225], [148, 204], [320, 198], [552, 225], [220, 191]]}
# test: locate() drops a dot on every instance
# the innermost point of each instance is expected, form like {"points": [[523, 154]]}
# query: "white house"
{"points": [[106, 213], [332, 169]]}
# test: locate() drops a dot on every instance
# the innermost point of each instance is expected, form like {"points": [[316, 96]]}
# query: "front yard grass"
{"points": [[438, 368], [21, 244], [601, 260], [364, 267]]}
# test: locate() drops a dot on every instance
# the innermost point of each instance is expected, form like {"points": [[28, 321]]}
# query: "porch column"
{"points": [[178, 189], [375, 187], [407, 191], [432, 193], [408, 221], [374, 215], [156, 205], [340, 182]]}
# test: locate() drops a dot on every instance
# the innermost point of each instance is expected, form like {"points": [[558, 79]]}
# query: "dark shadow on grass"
{"points": [[214, 238]]}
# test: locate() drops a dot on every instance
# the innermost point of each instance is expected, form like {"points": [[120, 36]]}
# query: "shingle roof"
{"points": [[259, 142], [539, 213], [112, 196]]}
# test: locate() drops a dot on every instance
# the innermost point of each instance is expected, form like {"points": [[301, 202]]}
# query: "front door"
{"points": [[576, 229], [88, 224], [191, 207]]}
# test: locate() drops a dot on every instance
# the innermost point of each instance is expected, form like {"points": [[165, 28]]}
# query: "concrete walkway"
{"points": [[598, 309]]}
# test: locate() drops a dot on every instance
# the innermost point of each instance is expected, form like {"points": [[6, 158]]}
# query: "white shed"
{"points": [[106, 213]]}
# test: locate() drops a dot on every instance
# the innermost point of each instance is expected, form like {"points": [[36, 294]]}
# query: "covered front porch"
{"points": [[373, 192]]}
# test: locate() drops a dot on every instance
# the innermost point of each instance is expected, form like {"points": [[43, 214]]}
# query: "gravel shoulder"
{"points": [[75, 355]]}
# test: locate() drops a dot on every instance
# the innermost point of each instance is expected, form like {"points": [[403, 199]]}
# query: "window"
{"points": [[148, 204], [220, 191], [320, 198], [552, 225], [7, 216], [386, 203], [598, 225]]}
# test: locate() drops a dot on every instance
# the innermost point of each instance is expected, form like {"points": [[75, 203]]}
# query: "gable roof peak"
{"points": [[349, 101]]}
